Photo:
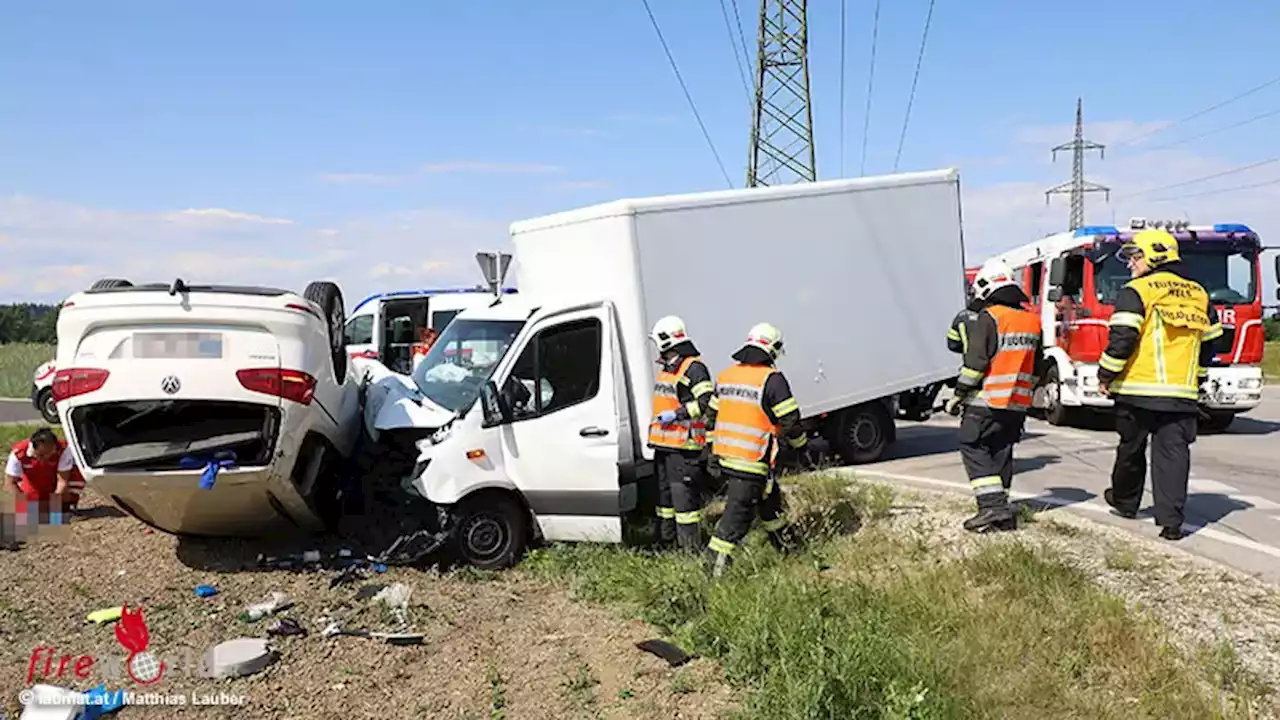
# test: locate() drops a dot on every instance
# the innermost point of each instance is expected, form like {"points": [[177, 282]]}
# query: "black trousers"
{"points": [[681, 484], [987, 437], [746, 498], [1172, 434]]}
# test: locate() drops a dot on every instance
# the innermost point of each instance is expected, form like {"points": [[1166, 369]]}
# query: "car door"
{"points": [[561, 447]]}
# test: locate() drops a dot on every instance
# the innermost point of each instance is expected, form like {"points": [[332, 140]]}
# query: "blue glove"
{"points": [[666, 417]]}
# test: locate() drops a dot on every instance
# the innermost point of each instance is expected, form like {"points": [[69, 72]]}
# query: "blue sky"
{"points": [[382, 143]]}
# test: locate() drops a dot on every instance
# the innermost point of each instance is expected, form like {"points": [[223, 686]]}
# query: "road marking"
{"points": [[1259, 503], [1199, 530], [1210, 486]]}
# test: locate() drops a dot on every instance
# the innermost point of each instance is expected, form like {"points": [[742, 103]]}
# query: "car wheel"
{"points": [[110, 283], [863, 433], [328, 296], [490, 531], [48, 410]]}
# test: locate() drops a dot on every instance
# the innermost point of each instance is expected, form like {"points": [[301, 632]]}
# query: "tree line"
{"points": [[36, 323], [28, 323]]}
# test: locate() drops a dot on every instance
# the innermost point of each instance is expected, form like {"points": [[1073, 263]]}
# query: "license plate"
{"points": [[184, 346]]}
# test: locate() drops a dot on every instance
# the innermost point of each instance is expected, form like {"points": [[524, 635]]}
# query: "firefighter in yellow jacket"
{"points": [[1160, 344], [753, 409], [1002, 364], [682, 393]]}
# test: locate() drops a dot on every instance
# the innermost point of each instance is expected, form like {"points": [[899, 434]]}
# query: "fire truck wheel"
{"points": [[1054, 411]]}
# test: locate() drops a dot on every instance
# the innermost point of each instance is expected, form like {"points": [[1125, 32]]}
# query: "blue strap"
{"points": [[219, 461]]}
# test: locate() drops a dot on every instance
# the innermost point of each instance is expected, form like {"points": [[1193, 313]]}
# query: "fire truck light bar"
{"points": [[1096, 230]]}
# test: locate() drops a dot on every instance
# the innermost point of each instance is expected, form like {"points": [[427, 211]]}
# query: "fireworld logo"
{"points": [[131, 632]]}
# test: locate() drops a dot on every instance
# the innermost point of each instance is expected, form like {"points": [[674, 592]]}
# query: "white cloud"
{"points": [[66, 247]]}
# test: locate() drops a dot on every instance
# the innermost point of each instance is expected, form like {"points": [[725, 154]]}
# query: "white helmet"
{"points": [[767, 338], [995, 274], [668, 332]]}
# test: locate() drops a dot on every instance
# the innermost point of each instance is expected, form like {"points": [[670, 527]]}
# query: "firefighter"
{"points": [[962, 325], [1160, 344], [753, 409], [1001, 367], [682, 393]]}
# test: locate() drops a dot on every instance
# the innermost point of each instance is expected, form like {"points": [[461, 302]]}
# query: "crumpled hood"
{"points": [[392, 401]]}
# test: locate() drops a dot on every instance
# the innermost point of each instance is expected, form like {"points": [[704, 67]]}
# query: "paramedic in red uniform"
{"points": [[42, 469]]}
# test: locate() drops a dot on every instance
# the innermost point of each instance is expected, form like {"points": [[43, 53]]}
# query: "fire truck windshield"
{"points": [[1227, 272]]}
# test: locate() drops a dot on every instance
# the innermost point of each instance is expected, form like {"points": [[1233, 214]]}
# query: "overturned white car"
{"points": [[209, 409]]}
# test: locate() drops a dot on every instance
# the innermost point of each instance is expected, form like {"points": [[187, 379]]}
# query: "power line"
{"points": [[742, 38], [871, 76], [1200, 113], [844, 6], [1206, 134], [737, 58], [1193, 181], [1237, 188], [902, 139], [692, 106]]}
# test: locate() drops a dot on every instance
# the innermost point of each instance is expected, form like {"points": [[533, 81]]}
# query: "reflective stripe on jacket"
{"points": [[743, 435], [1166, 362], [1010, 378], [688, 434]]}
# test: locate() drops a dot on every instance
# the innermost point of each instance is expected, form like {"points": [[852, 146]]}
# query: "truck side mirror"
{"points": [[1278, 268], [1055, 293], [496, 410], [1058, 272]]}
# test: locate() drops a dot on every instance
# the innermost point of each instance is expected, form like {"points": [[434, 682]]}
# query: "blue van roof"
{"points": [[422, 293]]}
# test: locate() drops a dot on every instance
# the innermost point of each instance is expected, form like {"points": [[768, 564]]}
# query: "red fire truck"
{"points": [[1073, 278]]}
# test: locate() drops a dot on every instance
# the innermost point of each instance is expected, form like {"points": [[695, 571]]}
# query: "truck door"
{"points": [[561, 448]]}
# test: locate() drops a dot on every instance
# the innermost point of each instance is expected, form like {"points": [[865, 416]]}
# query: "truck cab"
{"points": [[1073, 279], [390, 326]]}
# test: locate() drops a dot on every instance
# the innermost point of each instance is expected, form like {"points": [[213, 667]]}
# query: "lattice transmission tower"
{"points": [[782, 124], [1078, 186]]}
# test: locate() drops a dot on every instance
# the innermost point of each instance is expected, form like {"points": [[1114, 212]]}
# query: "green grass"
{"points": [[877, 624], [1271, 361], [10, 434], [17, 363]]}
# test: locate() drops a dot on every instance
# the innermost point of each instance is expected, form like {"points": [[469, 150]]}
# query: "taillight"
{"points": [[77, 381], [292, 385], [304, 308]]}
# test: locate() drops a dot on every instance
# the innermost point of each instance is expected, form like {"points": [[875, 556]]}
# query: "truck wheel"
{"points": [[491, 531], [110, 283], [1054, 411], [1217, 421], [329, 297], [863, 433], [44, 401]]}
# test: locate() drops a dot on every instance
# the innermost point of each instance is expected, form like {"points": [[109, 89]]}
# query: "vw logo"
{"points": [[170, 384]]}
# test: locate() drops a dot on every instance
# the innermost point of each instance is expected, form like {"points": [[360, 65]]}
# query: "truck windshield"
{"points": [[1228, 274], [462, 359]]}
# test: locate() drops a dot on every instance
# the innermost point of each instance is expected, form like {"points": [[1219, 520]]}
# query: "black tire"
{"points": [[328, 296], [491, 531], [110, 283], [862, 434], [1055, 413], [49, 411]]}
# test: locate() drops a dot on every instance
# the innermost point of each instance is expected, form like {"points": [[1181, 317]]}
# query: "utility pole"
{"points": [[1078, 186], [782, 124]]}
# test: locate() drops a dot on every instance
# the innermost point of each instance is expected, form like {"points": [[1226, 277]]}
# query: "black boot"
{"points": [[1171, 533], [991, 518], [666, 533], [1116, 510]]}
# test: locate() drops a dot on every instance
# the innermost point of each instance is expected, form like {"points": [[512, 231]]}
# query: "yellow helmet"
{"points": [[1156, 246]]}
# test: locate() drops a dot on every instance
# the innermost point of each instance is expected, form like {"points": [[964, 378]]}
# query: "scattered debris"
{"points": [[205, 591], [50, 702], [101, 702], [285, 627], [395, 597], [370, 591], [335, 629], [237, 658], [347, 575], [278, 601], [413, 547], [105, 615], [674, 656]]}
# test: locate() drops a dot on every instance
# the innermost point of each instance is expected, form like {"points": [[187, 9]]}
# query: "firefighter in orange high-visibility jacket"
{"points": [[682, 393], [753, 410], [1002, 364]]}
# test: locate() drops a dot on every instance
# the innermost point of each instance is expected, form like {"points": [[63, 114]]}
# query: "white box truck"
{"points": [[862, 276]]}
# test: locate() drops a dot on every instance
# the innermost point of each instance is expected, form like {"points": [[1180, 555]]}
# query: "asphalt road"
{"points": [[1233, 504], [12, 411]]}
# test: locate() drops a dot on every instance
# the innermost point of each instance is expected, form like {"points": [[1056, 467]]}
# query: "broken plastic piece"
{"points": [[335, 629], [237, 658], [278, 601], [205, 591], [412, 547], [222, 460], [674, 656], [105, 615], [50, 702], [285, 627]]}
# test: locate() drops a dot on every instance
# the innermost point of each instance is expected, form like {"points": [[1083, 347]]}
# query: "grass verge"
{"points": [[873, 625], [1271, 361], [10, 434], [17, 362]]}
